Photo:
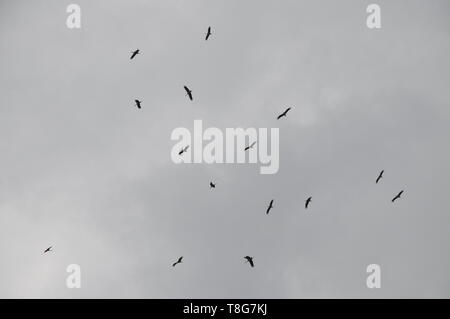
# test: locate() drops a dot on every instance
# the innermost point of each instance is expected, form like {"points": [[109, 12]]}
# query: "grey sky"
{"points": [[85, 171]]}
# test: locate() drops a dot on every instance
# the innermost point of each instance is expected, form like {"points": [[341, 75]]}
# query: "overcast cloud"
{"points": [[83, 170]]}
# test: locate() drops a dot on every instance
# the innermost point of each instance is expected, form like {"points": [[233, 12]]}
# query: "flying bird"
{"points": [[48, 249], [250, 146], [250, 260], [138, 103], [179, 261], [134, 53], [208, 34], [284, 113], [270, 207], [397, 196], [183, 150], [379, 177], [212, 185], [307, 202], [188, 92]]}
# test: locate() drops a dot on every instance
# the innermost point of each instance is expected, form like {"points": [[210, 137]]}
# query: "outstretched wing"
{"points": [[379, 177], [189, 92], [270, 206]]}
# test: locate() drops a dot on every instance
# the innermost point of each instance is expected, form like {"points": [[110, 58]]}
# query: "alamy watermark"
{"points": [[74, 19], [373, 21], [374, 279], [74, 279], [235, 145]]}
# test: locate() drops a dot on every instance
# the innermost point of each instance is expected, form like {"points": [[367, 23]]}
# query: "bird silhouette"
{"points": [[208, 34], [212, 185], [250, 260], [179, 261], [270, 207], [138, 103], [397, 196], [48, 249], [183, 150], [284, 113], [250, 146], [379, 177], [307, 202], [188, 92], [134, 53]]}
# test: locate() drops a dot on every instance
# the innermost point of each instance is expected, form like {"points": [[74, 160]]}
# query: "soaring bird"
{"points": [[212, 185], [48, 249], [307, 202], [134, 53], [179, 261], [138, 103], [270, 207], [208, 34], [183, 150], [250, 260], [379, 177], [284, 113], [188, 92], [250, 146], [397, 196]]}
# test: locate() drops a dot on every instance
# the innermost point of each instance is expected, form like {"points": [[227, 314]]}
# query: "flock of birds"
{"points": [[248, 259]]}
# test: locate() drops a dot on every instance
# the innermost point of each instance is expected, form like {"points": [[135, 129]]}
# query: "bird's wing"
{"points": [[270, 207]]}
